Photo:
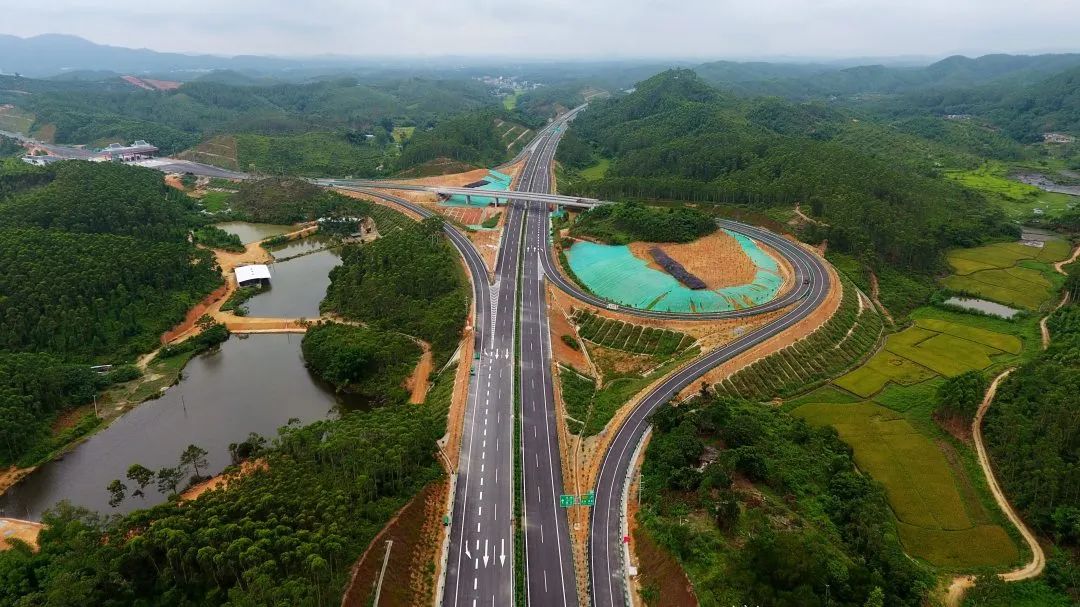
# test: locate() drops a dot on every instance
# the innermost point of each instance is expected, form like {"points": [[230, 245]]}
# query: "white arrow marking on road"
{"points": [[502, 552], [485, 553], [467, 553]]}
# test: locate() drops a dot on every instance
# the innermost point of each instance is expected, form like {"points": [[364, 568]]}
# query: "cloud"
{"points": [[561, 28]]}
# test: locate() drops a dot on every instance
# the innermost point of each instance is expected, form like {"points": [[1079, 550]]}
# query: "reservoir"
{"points": [[984, 306], [253, 232], [254, 384], [298, 285]]}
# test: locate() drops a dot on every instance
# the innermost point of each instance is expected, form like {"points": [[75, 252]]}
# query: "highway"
{"points": [[606, 563], [480, 567], [549, 564], [548, 558]]}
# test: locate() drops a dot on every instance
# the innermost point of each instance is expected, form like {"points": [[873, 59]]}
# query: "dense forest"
{"points": [[97, 265], [471, 138], [409, 280], [676, 138], [174, 120], [761, 508], [360, 360], [285, 201], [285, 534], [628, 222]]}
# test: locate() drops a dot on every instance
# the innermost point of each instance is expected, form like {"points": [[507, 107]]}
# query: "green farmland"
{"points": [[936, 522], [883, 410], [1008, 272]]}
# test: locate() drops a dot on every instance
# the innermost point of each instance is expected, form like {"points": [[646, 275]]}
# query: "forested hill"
{"points": [[805, 81], [676, 138], [96, 259], [100, 112]]}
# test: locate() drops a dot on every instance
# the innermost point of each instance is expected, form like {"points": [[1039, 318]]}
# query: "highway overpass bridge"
{"points": [[498, 196]]}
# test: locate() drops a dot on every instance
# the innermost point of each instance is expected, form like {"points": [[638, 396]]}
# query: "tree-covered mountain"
{"points": [[805, 81], [677, 138]]}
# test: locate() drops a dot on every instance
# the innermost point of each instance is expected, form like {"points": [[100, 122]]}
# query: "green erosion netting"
{"points": [[614, 273], [495, 181]]}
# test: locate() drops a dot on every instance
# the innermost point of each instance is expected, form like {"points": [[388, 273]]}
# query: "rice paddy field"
{"points": [[883, 409], [1009, 273], [1018, 200]]}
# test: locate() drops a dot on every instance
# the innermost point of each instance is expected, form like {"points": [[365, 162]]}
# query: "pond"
{"points": [[250, 385], [982, 305], [616, 274], [253, 232], [297, 286]]}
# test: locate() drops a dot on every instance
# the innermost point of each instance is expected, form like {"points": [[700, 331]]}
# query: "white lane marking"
{"points": [[537, 456], [482, 469], [474, 583], [483, 455], [485, 444], [479, 512], [545, 582], [481, 495], [496, 511], [538, 494], [481, 481], [541, 533]]}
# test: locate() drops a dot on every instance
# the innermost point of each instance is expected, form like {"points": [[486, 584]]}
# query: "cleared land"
{"points": [[1011, 273], [718, 259]]}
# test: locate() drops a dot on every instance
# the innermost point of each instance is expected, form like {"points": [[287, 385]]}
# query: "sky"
{"points": [[586, 29]]}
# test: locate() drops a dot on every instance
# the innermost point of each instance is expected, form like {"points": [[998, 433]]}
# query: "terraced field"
{"points": [[629, 337], [1010, 273], [884, 409], [928, 349], [936, 522], [844, 340]]}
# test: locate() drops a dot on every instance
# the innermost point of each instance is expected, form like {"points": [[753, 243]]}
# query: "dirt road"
{"points": [[1038, 558]]}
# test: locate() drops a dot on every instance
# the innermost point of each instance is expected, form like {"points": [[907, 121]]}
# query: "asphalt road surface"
{"points": [[606, 563], [549, 564]]}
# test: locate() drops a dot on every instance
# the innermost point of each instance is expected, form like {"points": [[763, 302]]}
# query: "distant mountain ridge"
{"points": [[52, 54]]}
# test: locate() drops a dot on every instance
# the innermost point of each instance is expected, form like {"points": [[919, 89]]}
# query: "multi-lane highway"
{"points": [[549, 566]]}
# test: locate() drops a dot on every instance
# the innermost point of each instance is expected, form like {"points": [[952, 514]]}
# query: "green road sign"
{"points": [[566, 501], [587, 499]]}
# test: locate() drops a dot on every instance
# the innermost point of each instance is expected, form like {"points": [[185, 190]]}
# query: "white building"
{"points": [[249, 276]]}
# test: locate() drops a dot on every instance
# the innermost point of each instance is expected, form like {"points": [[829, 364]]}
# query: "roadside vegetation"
{"points": [[624, 223], [359, 360], [410, 280]]}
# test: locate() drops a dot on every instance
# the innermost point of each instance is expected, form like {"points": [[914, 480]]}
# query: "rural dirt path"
{"points": [[1060, 266], [1042, 323], [805, 217], [874, 291], [962, 583]]}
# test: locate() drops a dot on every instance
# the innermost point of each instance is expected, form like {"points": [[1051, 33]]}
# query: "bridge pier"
{"points": [[468, 199]]}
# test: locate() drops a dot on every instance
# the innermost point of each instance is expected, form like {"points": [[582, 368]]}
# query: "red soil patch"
{"points": [[222, 481], [717, 259], [660, 574], [196, 313], [26, 531], [417, 383], [564, 354], [133, 81], [415, 531]]}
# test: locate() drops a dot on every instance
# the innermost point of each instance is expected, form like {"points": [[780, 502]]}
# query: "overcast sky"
{"points": [[562, 28]]}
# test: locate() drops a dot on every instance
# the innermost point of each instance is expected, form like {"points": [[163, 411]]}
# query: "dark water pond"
{"points": [[253, 384]]}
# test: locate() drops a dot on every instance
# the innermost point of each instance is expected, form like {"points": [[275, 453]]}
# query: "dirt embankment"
{"points": [[221, 481], [15, 529], [409, 579], [717, 259]]}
